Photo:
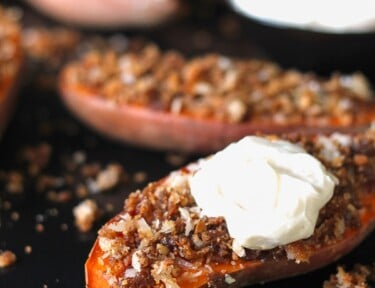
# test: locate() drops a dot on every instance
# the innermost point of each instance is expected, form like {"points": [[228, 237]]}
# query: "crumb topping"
{"points": [[9, 45], [361, 276], [219, 87], [161, 233]]}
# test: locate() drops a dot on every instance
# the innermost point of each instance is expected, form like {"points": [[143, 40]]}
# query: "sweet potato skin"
{"points": [[162, 130], [250, 272], [8, 99], [6, 107], [10, 85], [94, 270]]}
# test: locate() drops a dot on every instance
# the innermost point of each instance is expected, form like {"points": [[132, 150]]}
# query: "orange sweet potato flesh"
{"points": [[9, 84], [161, 130], [250, 272]]}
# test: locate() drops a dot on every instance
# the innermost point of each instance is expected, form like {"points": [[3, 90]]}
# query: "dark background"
{"points": [[58, 256]]}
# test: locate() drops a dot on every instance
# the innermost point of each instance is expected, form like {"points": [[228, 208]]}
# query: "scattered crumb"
{"points": [[15, 183], [59, 197], [7, 258], [75, 179], [85, 214], [15, 216], [7, 205], [140, 177], [39, 227], [39, 218], [230, 27], [37, 157], [109, 207], [176, 159], [90, 170], [361, 276], [53, 212], [79, 157], [64, 227], [81, 191], [229, 279], [28, 249], [109, 177]]}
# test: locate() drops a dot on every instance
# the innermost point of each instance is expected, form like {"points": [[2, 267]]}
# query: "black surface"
{"points": [[58, 256]]}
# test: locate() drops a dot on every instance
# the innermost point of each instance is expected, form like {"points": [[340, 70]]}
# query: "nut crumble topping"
{"points": [[161, 235], [215, 86]]}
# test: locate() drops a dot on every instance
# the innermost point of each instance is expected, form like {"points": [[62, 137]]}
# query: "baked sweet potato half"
{"points": [[162, 100], [10, 63], [154, 243]]}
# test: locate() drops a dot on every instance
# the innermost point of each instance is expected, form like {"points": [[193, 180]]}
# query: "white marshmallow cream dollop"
{"points": [[333, 16], [269, 192]]}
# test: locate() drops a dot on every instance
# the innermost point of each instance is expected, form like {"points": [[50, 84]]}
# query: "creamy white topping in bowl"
{"points": [[269, 192], [332, 16]]}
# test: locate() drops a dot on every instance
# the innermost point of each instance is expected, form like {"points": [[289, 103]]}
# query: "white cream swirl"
{"points": [[269, 192]]}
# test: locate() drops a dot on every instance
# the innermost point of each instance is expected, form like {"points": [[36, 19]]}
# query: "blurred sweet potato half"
{"points": [[162, 100], [11, 59]]}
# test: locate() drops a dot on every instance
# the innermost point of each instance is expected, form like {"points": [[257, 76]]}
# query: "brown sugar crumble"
{"points": [[161, 234], [7, 258], [215, 86]]}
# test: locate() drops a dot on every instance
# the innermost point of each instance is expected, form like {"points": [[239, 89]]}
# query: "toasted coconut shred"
{"points": [[215, 86], [161, 235]]}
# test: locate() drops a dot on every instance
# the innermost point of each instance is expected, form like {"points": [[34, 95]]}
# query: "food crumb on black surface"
{"points": [[28, 249], [140, 176], [360, 276], [7, 258], [176, 159], [85, 214]]}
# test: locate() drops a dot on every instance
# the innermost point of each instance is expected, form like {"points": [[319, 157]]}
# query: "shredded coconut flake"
{"points": [[144, 229], [229, 279], [136, 263], [168, 226], [185, 214], [130, 273]]}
